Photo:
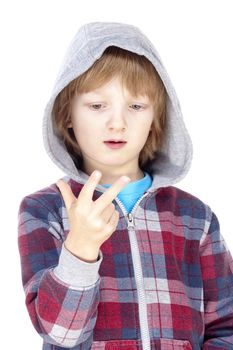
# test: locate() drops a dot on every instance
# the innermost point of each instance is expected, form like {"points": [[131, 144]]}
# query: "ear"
{"points": [[70, 125]]}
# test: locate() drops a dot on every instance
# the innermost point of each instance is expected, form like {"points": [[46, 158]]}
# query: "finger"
{"points": [[66, 193], [112, 224], [86, 194], [107, 213], [110, 194]]}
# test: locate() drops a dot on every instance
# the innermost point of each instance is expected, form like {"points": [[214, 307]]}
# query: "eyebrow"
{"points": [[105, 94], [95, 92]]}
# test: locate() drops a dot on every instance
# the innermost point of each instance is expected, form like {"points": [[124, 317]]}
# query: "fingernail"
{"points": [[96, 173], [125, 179], [59, 182]]}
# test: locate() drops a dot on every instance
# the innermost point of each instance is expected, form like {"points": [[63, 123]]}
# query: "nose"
{"points": [[117, 119]]}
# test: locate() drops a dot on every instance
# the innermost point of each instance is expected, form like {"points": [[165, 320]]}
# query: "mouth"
{"points": [[115, 144], [115, 140]]}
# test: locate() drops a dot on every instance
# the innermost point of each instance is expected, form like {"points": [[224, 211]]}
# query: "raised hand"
{"points": [[91, 222]]}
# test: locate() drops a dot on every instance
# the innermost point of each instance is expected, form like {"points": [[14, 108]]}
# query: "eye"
{"points": [[95, 106], [138, 107]]}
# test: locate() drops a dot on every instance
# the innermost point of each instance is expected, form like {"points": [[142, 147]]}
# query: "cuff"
{"points": [[77, 273]]}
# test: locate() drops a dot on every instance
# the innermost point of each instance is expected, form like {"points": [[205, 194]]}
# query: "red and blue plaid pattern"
{"points": [[187, 277]]}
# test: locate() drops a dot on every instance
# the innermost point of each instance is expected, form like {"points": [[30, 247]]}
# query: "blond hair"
{"points": [[137, 74]]}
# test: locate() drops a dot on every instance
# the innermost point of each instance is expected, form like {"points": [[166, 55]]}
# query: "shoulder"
{"points": [[43, 202], [183, 202], [49, 199]]}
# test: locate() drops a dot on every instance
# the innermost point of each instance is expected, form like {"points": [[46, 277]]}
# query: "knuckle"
{"points": [[98, 225], [80, 210]]}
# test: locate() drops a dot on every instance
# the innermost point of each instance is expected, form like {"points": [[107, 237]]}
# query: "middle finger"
{"points": [[110, 194]]}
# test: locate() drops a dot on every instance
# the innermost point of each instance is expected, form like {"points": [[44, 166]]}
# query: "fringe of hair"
{"points": [[137, 75]]}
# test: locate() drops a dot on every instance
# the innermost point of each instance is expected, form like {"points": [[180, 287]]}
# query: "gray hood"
{"points": [[174, 160]]}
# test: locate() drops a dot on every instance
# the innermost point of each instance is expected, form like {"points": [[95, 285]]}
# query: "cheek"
{"points": [[142, 130], [86, 135], [81, 127]]}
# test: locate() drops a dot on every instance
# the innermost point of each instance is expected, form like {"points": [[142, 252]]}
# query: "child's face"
{"points": [[111, 113]]}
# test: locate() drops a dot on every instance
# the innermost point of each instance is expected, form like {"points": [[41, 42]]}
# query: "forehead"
{"points": [[113, 83], [110, 88]]}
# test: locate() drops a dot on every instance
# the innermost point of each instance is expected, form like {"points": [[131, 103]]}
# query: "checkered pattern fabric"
{"points": [[187, 277]]}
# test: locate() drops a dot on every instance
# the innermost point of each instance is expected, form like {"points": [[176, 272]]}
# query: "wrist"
{"points": [[84, 253]]}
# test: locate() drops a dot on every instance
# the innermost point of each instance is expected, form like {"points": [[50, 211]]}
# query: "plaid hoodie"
{"points": [[164, 279]]}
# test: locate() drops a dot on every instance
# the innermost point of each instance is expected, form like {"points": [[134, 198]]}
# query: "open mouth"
{"points": [[115, 144], [115, 141]]}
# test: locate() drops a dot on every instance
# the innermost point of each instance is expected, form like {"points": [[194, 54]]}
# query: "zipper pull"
{"points": [[130, 220]]}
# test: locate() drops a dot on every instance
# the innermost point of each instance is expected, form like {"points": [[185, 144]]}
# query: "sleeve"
{"points": [[62, 291], [217, 272]]}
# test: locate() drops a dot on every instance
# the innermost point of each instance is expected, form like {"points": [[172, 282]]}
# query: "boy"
{"points": [[113, 256]]}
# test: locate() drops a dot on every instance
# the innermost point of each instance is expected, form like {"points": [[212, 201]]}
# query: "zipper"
{"points": [[142, 305], [130, 221]]}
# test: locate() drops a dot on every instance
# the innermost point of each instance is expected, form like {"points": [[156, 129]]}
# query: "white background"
{"points": [[194, 39]]}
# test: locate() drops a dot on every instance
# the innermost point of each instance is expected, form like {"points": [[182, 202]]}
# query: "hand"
{"points": [[91, 222]]}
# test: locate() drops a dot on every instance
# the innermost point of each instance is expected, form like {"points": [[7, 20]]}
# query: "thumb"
{"points": [[66, 193]]}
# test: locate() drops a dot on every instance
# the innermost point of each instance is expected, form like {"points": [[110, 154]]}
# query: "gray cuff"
{"points": [[77, 273]]}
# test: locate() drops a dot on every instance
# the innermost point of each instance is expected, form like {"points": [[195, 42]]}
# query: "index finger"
{"points": [[88, 189], [107, 197]]}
